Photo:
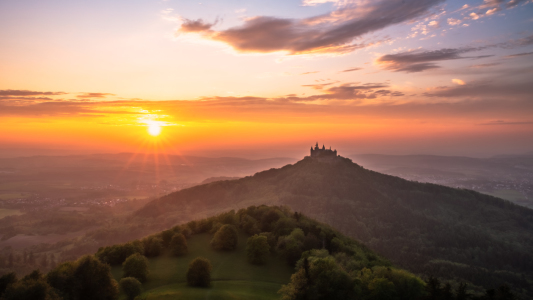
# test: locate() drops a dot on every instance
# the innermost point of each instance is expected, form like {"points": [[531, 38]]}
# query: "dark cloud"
{"points": [[518, 55], [352, 69], [347, 92], [195, 26], [329, 33], [418, 61], [94, 95], [28, 93], [501, 122], [486, 89]]}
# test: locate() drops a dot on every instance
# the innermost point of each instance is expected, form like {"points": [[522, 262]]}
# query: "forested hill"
{"points": [[426, 228]]}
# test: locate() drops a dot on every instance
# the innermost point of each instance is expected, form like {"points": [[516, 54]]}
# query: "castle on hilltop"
{"points": [[323, 152]]}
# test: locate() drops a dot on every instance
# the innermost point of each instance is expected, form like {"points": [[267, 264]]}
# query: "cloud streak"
{"points": [[334, 32], [419, 60], [28, 93]]}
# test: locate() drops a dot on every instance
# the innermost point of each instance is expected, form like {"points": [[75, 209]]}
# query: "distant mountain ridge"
{"points": [[426, 228]]}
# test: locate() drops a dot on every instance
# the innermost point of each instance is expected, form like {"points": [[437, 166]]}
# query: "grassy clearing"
{"points": [[232, 276]]}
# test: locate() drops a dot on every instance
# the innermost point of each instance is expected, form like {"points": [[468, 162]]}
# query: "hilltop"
{"points": [[428, 229]]}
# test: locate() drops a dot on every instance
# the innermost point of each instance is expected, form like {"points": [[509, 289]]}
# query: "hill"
{"points": [[428, 229], [249, 254]]}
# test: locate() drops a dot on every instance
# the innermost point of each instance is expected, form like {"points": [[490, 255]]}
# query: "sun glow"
{"points": [[154, 128]]}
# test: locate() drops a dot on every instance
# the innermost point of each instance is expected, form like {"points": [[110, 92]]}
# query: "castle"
{"points": [[317, 152]]}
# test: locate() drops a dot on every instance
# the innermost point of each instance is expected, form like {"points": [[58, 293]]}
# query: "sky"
{"points": [[265, 78]]}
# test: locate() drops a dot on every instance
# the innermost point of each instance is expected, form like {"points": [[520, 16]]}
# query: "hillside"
{"points": [[232, 274], [248, 254], [426, 228]]}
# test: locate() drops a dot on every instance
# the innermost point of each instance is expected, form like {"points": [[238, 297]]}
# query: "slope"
{"points": [[426, 228], [232, 274]]}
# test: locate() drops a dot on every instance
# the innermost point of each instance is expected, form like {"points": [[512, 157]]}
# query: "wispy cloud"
{"points": [[28, 93], [485, 89], [94, 95], [518, 55], [351, 70], [420, 60], [307, 73], [333, 32]]}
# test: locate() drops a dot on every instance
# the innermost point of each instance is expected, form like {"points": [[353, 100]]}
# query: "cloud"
{"points": [[420, 60], [458, 81], [453, 22], [334, 32], [486, 89], [502, 122], [28, 93], [518, 55], [417, 61], [317, 2], [307, 73], [94, 95], [352, 69], [318, 86], [195, 26], [348, 91], [484, 65]]}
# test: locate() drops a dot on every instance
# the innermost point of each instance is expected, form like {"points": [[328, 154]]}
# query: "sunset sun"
{"points": [[154, 129]]}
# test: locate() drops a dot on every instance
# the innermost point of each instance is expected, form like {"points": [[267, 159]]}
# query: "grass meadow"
{"points": [[232, 276]]}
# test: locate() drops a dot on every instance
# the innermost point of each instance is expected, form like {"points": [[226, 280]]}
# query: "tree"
{"points": [[153, 246], [504, 293], [178, 245], [117, 254], [319, 278], [199, 272], [32, 286], [225, 238], [131, 287], [291, 246], [62, 279], [166, 236], [257, 249], [6, 280], [85, 279], [136, 265], [461, 293]]}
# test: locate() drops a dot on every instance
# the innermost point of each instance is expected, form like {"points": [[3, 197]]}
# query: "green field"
{"points": [[232, 276]]}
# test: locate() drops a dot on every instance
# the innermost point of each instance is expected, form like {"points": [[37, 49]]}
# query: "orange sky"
{"points": [[257, 80]]}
